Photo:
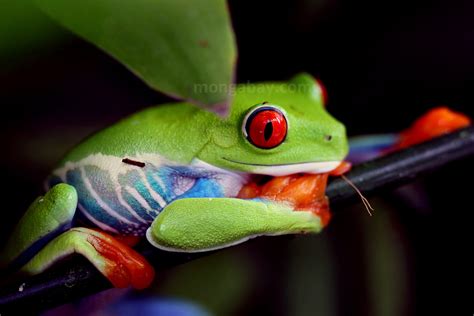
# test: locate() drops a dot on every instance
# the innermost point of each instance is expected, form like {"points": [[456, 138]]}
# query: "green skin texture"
{"points": [[198, 224], [208, 137]]}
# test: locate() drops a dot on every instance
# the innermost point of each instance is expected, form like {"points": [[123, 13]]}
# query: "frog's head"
{"points": [[277, 129]]}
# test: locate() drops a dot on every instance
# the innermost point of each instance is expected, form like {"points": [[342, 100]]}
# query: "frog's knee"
{"points": [[122, 265], [62, 192], [47, 217]]}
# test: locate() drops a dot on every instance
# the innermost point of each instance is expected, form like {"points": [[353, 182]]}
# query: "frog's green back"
{"points": [[180, 131], [174, 130]]}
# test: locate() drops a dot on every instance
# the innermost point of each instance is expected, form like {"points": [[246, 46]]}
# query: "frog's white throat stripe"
{"points": [[309, 167], [279, 170]]}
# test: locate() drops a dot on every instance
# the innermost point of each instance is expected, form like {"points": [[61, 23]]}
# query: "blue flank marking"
{"points": [[204, 187], [163, 174], [170, 175], [188, 172], [136, 206], [100, 181], [142, 189], [164, 193], [134, 180], [73, 177]]}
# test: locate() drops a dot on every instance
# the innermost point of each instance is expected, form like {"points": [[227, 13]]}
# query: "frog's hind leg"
{"points": [[116, 261], [46, 218], [43, 236]]}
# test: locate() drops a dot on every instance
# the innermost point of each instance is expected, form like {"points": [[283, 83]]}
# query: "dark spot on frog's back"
{"points": [[204, 43], [133, 162]]}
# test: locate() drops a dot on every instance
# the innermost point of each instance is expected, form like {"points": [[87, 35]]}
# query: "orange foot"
{"points": [[305, 192], [434, 123], [122, 265]]}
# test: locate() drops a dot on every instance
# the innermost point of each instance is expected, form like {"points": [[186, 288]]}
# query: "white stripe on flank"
{"points": [[95, 221], [137, 196], [159, 181], [153, 194], [101, 203], [128, 207]]}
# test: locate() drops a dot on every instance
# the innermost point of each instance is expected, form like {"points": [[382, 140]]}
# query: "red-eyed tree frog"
{"points": [[172, 173]]}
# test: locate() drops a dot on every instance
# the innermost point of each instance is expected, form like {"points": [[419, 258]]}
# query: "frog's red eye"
{"points": [[324, 92], [265, 127]]}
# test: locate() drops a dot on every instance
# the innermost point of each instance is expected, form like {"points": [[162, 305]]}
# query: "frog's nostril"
{"points": [[328, 138]]}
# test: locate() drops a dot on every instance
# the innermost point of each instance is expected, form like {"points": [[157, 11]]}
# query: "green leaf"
{"points": [[25, 31], [182, 48]]}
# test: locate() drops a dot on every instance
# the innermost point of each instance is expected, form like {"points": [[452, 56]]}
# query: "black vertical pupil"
{"points": [[267, 133]]}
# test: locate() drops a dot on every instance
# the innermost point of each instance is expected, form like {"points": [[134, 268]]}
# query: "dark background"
{"points": [[384, 63]]}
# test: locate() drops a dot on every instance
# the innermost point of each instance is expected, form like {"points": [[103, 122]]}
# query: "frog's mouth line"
{"points": [[277, 170]]}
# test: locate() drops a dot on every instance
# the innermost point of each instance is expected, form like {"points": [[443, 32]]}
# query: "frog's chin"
{"points": [[289, 169], [273, 170], [278, 170]]}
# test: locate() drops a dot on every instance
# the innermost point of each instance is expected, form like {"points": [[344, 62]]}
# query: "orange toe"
{"points": [[123, 266]]}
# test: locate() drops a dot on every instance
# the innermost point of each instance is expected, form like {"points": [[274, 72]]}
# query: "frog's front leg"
{"points": [[202, 224], [43, 237]]}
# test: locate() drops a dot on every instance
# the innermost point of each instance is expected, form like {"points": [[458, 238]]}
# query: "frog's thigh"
{"points": [[119, 263], [46, 218], [202, 224]]}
